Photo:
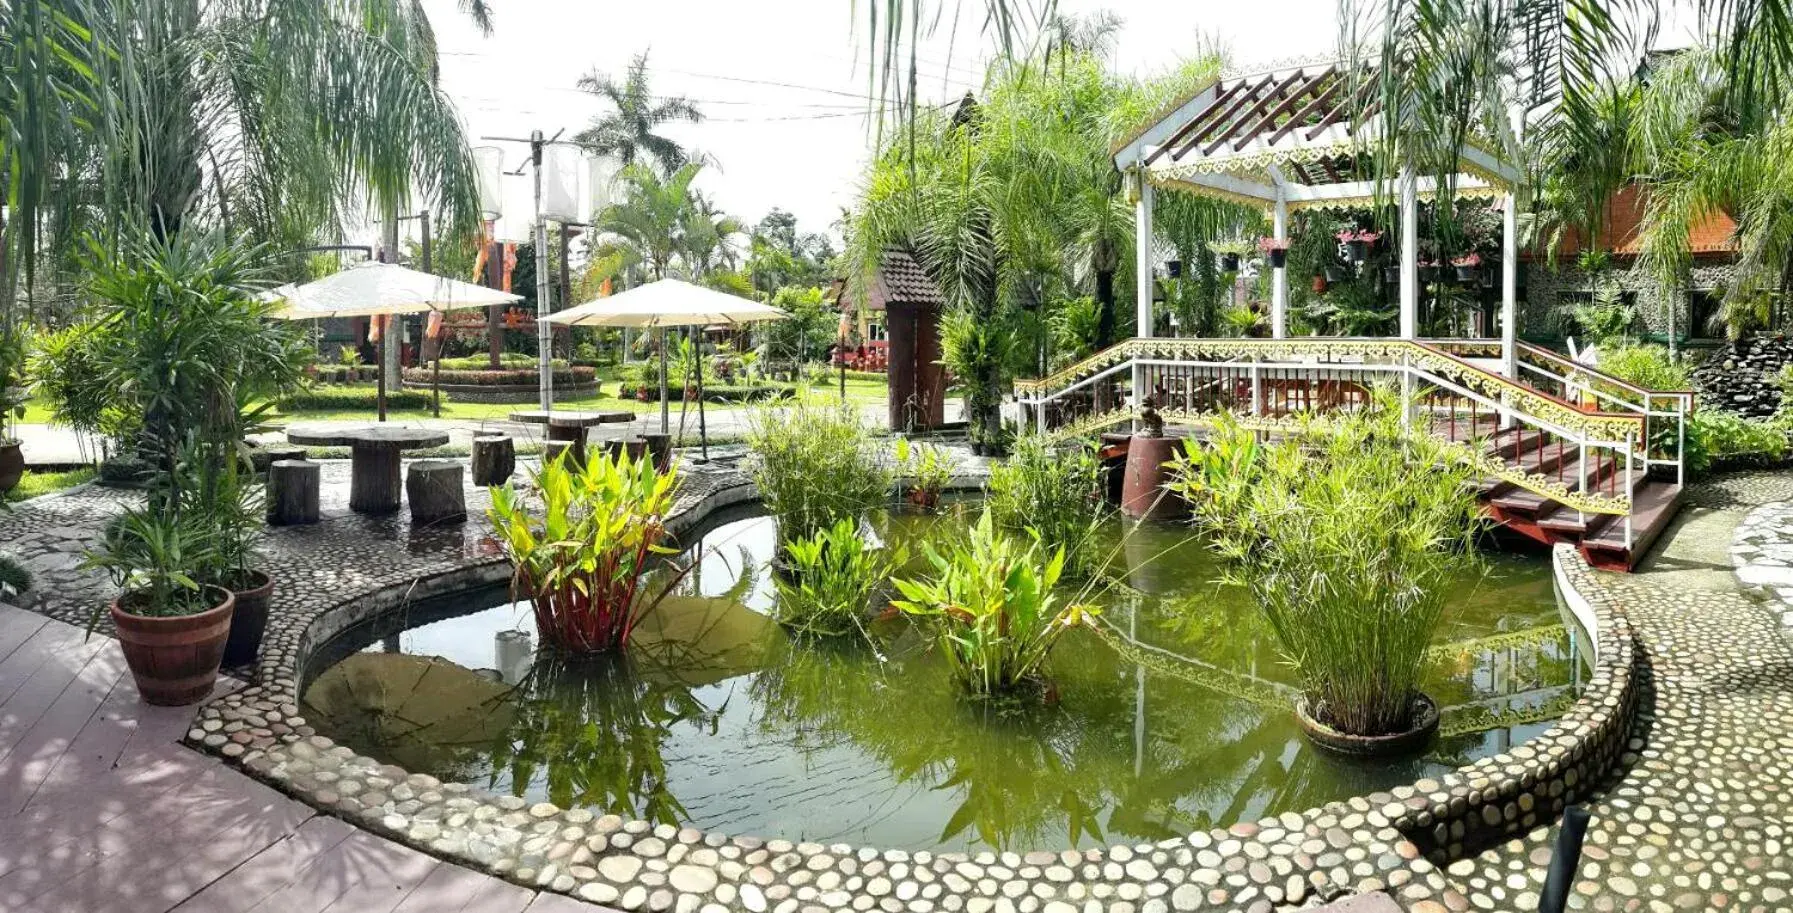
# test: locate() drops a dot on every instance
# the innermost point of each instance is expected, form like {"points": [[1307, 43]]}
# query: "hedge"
{"points": [[503, 378], [723, 393], [514, 361], [328, 399], [340, 374]]}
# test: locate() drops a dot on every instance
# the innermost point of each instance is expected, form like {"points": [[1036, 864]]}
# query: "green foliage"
{"points": [[928, 467], [331, 399], [1053, 495], [154, 554], [1605, 317], [580, 559], [63, 366], [831, 578], [806, 334], [15, 580], [514, 361], [1348, 534], [1075, 325], [37, 484], [1718, 439], [1647, 366], [991, 601], [815, 463]]}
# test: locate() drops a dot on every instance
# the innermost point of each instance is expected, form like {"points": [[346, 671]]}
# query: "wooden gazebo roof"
{"points": [[1302, 132]]}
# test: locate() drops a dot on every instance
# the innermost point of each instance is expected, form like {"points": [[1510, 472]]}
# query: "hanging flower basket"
{"points": [[1335, 274], [1358, 242], [1277, 251], [1428, 271], [1467, 267], [1391, 274], [1173, 269], [1229, 263]]}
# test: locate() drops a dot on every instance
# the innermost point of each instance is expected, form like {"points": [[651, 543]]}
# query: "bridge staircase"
{"points": [[1565, 453]]}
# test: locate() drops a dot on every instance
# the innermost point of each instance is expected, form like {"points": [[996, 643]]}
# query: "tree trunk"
{"points": [[1104, 309], [293, 492]]}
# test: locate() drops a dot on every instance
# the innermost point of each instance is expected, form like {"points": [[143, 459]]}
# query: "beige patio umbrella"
{"points": [[669, 303], [375, 289]]}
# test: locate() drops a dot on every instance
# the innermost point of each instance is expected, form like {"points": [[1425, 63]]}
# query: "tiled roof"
{"points": [[901, 279], [1715, 232]]}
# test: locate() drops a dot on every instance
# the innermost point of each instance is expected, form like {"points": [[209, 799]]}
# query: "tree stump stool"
{"points": [[293, 492], [552, 450], [261, 458], [434, 487], [494, 459], [635, 447], [660, 445]]}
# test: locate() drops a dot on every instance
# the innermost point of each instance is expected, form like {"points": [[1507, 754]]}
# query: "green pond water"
{"points": [[719, 720]]}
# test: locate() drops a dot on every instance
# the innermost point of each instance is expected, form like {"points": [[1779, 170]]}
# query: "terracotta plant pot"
{"points": [[249, 619], [923, 498], [174, 659], [12, 465], [1423, 717], [1319, 283]]}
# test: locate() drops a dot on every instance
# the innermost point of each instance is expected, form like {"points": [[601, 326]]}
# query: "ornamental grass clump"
{"points": [[992, 605], [1052, 494], [832, 576], [816, 464], [1349, 535], [581, 557]]}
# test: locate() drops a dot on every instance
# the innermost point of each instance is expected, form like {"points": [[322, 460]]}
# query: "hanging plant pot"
{"points": [[1391, 274], [1173, 269], [1357, 250], [1467, 274], [1229, 263], [1427, 273], [1279, 258], [1335, 274], [1319, 282]]}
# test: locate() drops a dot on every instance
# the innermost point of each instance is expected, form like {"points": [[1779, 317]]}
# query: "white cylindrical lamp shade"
{"points": [[489, 170]]}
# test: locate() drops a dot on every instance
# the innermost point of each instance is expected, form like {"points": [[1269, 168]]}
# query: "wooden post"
{"points": [[494, 459], [434, 487], [293, 487]]}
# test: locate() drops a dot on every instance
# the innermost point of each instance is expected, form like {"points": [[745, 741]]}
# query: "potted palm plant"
{"points": [[231, 503], [171, 627]]}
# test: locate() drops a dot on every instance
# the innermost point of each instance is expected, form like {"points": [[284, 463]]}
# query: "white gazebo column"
{"points": [[1142, 269], [1279, 277], [1509, 287], [1409, 254]]}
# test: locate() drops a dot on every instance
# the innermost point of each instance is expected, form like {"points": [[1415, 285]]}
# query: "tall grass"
{"points": [[580, 561], [1053, 494], [1348, 536], [816, 463], [832, 578], [992, 604]]}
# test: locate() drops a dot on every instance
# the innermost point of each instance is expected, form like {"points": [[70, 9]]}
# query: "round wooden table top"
{"points": [[394, 437], [571, 419]]}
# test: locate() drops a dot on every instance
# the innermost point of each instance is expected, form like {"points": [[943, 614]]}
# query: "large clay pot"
{"points": [[12, 465], [1423, 725], [174, 659], [1143, 494], [249, 619]]}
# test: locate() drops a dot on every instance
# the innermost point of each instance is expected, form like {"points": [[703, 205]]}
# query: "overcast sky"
{"points": [[780, 83]]}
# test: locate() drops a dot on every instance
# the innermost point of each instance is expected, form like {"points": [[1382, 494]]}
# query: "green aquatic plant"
{"points": [[831, 579], [580, 561], [992, 604], [1052, 494], [928, 468], [815, 463], [1350, 536]]}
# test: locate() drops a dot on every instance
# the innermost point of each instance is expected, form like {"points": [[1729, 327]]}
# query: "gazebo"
{"points": [[1294, 138]]}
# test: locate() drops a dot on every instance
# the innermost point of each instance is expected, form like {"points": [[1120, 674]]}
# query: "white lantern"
{"points": [[562, 172], [600, 185], [489, 171], [517, 224]]}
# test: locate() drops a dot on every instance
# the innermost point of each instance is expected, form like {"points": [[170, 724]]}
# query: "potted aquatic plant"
{"points": [[990, 599], [171, 627], [928, 468], [582, 543], [815, 462], [1277, 250], [1351, 536], [834, 574]]}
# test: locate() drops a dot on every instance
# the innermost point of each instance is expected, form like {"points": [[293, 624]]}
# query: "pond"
{"points": [[1171, 717]]}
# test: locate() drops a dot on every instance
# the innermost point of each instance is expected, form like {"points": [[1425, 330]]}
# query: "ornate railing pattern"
{"points": [[1587, 455]]}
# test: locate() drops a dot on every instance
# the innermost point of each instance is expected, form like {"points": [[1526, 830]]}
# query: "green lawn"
{"points": [[42, 483]]}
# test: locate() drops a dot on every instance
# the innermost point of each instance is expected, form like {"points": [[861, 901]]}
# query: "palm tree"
{"points": [[627, 133], [647, 226]]}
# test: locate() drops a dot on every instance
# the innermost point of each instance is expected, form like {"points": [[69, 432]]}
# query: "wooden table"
{"points": [[376, 485]]}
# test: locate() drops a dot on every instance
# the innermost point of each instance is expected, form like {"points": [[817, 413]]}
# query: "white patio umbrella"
{"points": [[669, 303], [375, 289]]}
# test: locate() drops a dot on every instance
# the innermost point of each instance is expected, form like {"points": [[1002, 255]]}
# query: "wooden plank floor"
{"points": [[102, 811]]}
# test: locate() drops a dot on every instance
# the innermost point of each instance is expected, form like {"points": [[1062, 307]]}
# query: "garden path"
{"points": [[101, 811]]}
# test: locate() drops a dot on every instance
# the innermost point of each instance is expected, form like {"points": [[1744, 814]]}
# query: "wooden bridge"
{"points": [[1566, 453]]}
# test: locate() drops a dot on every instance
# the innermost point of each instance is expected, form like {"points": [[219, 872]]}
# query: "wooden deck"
{"points": [[102, 811]]}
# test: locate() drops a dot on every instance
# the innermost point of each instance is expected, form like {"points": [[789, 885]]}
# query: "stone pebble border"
{"points": [[1392, 841]]}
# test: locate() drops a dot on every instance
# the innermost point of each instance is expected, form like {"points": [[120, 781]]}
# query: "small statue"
{"points": [[1152, 424]]}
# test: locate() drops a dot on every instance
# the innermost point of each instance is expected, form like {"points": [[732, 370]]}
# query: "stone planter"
{"points": [[249, 619], [1424, 724], [174, 659], [12, 465]]}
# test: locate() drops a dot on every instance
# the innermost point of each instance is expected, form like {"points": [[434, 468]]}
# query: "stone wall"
{"points": [[1744, 382], [1546, 290]]}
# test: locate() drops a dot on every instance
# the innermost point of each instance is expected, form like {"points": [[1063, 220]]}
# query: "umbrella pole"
{"points": [[703, 434], [385, 344], [665, 408]]}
